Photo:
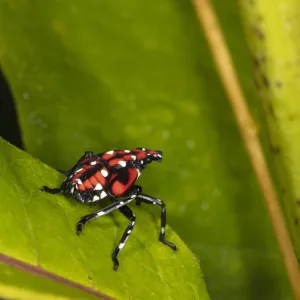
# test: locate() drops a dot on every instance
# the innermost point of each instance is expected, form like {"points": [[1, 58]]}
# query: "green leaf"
{"points": [[17, 284], [99, 75], [273, 35], [39, 229]]}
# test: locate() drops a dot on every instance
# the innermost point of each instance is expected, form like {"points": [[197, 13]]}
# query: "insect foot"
{"points": [[79, 228], [116, 264], [51, 191], [171, 245]]}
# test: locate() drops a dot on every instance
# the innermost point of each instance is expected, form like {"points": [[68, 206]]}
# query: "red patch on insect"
{"points": [[87, 184], [81, 187], [118, 188], [141, 154], [108, 155], [113, 162], [120, 152], [128, 157], [78, 174], [152, 152], [99, 177], [85, 160], [94, 180]]}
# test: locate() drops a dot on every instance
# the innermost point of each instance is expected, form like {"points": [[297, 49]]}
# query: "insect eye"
{"points": [[148, 160]]}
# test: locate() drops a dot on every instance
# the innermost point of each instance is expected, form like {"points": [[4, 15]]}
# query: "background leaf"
{"points": [[273, 36], [114, 74], [43, 228]]}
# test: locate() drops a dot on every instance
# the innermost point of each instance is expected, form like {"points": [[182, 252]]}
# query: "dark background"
{"points": [[9, 127]]}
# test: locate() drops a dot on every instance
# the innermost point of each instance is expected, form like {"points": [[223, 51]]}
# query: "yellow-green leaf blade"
{"points": [[17, 283], [273, 35], [39, 229]]}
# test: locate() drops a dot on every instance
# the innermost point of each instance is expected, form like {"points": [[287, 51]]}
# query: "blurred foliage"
{"points": [[39, 228], [103, 75], [277, 60]]}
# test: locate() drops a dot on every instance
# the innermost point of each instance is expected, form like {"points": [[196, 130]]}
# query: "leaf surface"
{"points": [[39, 229], [122, 74], [275, 49]]}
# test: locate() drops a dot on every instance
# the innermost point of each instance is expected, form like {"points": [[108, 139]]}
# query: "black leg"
{"points": [[86, 155], [104, 211], [126, 211], [85, 219], [152, 200], [52, 191], [60, 190]]}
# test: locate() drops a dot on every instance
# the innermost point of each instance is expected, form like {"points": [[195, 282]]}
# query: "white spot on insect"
{"points": [[101, 213], [98, 187], [72, 190], [127, 151], [121, 245], [119, 205], [133, 157], [77, 171], [129, 231], [139, 173], [110, 152], [104, 173], [163, 230], [95, 198], [133, 222], [122, 163], [121, 202], [143, 149], [103, 195], [79, 181], [159, 155], [142, 162], [93, 163]]}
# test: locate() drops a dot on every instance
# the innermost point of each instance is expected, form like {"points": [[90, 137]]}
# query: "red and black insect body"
{"points": [[112, 174]]}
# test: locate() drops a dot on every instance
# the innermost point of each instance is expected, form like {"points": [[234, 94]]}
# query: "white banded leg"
{"points": [[126, 211], [152, 200], [104, 211]]}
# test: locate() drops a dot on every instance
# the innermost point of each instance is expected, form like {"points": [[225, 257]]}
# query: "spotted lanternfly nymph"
{"points": [[112, 174]]}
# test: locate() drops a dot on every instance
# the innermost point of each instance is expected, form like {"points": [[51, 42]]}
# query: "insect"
{"points": [[112, 175]]}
